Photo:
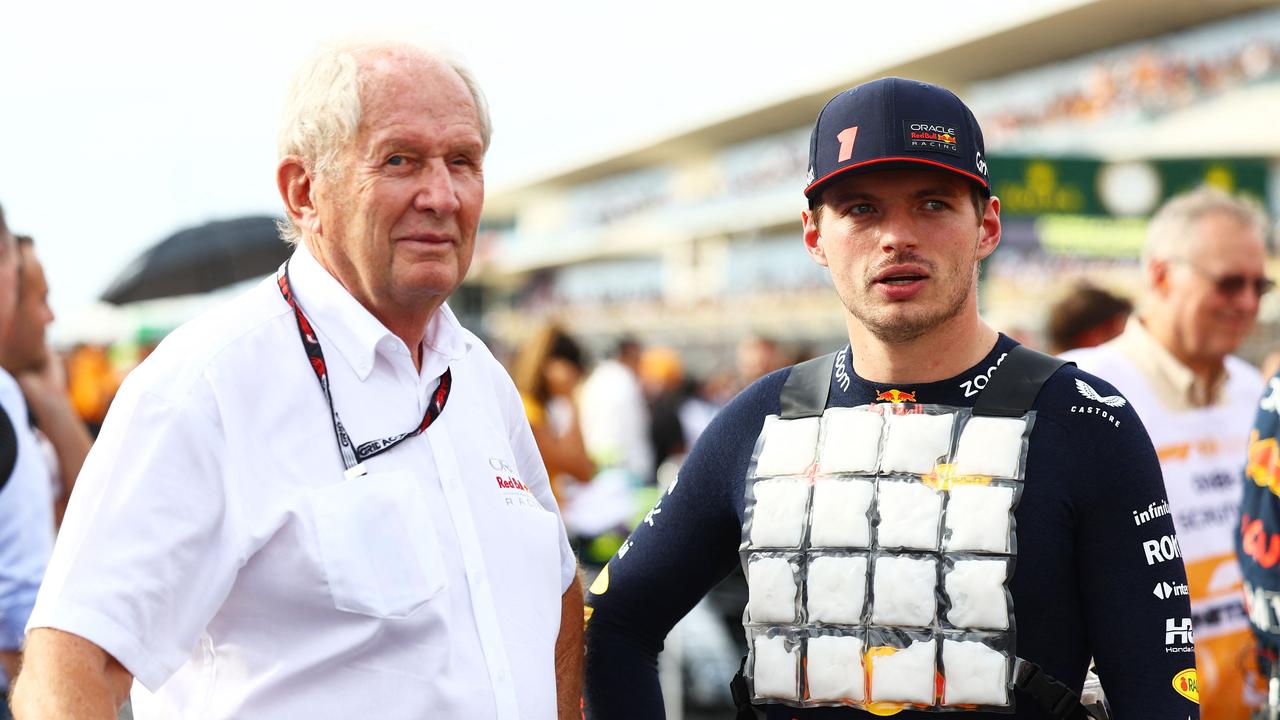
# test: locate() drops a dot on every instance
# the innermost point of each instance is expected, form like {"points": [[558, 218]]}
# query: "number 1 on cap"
{"points": [[846, 138]]}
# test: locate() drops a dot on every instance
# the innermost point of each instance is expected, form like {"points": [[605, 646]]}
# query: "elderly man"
{"points": [[323, 500], [848, 618], [1204, 271]]}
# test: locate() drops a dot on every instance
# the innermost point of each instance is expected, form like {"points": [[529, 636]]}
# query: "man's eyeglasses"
{"points": [[1233, 284]]}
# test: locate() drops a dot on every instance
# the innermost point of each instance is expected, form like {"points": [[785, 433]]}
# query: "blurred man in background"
{"points": [[615, 414], [42, 376], [1204, 264], [1086, 317], [26, 494]]}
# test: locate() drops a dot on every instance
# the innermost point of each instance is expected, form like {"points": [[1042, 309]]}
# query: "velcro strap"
{"points": [[805, 392], [1048, 692], [1012, 391], [741, 696]]}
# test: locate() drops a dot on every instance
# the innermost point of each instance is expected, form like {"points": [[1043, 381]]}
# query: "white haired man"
{"points": [[235, 551], [1205, 277]]}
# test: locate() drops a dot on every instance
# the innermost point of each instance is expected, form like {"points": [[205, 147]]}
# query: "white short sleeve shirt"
{"points": [[214, 546]]}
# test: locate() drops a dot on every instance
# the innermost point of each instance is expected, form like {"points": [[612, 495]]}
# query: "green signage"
{"points": [[1083, 186]]}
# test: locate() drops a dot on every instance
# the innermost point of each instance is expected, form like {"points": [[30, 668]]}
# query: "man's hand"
{"points": [[66, 676], [569, 653]]}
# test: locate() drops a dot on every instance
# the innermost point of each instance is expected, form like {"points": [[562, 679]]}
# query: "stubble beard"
{"points": [[901, 328]]}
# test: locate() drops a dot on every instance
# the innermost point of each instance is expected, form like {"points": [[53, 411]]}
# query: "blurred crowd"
{"points": [[614, 429], [1149, 81]]}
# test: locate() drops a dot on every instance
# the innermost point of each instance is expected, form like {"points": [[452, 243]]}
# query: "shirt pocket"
{"points": [[377, 544]]}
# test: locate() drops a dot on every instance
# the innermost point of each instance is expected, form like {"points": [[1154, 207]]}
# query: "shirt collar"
{"points": [[356, 333], [1143, 349]]}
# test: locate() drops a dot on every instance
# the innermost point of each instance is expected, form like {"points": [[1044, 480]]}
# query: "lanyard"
{"points": [[354, 456]]}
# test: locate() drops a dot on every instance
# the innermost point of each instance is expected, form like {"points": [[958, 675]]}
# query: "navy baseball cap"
{"points": [[894, 122]]}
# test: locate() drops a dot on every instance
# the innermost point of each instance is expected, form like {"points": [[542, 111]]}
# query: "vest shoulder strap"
{"points": [[1012, 391], [805, 392], [1061, 702]]}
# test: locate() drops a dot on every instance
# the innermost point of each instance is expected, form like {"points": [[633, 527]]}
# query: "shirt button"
{"points": [[501, 676]]}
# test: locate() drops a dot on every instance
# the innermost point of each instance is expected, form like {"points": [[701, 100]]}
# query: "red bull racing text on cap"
{"points": [[892, 122]]}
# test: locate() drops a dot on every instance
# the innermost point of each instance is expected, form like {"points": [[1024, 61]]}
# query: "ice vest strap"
{"points": [[1013, 390], [1052, 695], [805, 392], [8, 448], [741, 696]]}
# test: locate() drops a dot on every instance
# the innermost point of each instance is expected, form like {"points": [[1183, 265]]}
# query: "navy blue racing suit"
{"points": [[1082, 586]]}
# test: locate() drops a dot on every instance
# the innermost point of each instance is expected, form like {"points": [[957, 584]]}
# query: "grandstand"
{"points": [[1093, 115]]}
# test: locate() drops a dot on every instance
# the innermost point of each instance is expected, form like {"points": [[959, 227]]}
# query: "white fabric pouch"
{"points": [[975, 674], [789, 446], [834, 668], [916, 442], [850, 440], [990, 446]]}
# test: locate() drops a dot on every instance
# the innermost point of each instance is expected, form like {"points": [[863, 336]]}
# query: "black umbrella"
{"points": [[201, 259]]}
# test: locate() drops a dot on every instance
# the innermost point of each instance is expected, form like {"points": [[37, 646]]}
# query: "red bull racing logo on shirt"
{"points": [[895, 396], [511, 483], [514, 491]]}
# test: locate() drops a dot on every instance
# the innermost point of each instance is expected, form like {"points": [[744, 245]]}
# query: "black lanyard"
{"points": [[353, 456]]}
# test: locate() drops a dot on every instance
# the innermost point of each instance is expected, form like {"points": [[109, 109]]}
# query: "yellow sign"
{"points": [[1187, 686]]}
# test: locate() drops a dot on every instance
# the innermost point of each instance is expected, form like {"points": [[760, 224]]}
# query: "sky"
{"points": [[123, 122]]}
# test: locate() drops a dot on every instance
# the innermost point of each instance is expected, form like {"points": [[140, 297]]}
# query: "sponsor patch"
{"points": [[1162, 550], [1164, 590], [1087, 390], [842, 372], [601, 584], [1177, 631], [1264, 462], [513, 490], [895, 396], [1186, 685], [1096, 411], [1151, 512], [931, 136], [1256, 543], [979, 381]]}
